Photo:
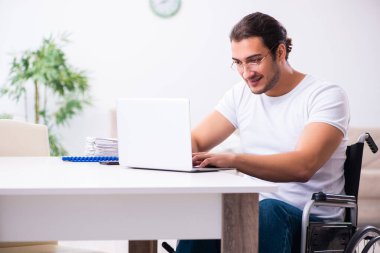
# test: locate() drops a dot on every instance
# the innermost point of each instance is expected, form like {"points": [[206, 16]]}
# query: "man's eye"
{"points": [[255, 61]]}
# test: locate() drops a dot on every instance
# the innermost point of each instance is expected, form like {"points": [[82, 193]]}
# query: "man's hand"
{"points": [[220, 160]]}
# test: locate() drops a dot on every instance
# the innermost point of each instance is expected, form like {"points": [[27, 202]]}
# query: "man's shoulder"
{"points": [[316, 86]]}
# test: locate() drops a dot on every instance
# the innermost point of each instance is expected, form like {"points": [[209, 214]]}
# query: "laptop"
{"points": [[155, 134]]}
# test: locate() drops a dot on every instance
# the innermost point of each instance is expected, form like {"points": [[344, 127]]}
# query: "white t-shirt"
{"points": [[272, 125]]}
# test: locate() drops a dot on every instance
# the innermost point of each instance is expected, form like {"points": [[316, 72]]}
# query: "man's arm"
{"points": [[316, 145], [210, 132]]}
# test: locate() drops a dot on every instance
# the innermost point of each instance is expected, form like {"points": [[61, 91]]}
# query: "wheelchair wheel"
{"points": [[371, 245], [366, 238]]}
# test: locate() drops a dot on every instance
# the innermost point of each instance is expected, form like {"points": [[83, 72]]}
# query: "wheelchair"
{"points": [[341, 236], [318, 237]]}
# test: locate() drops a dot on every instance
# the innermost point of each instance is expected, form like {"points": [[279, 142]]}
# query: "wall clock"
{"points": [[165, 8]]}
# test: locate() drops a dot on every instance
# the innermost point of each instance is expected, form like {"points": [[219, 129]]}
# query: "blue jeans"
{"points": [[279, 231]]}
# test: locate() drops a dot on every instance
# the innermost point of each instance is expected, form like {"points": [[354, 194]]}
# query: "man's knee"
{"points": [[273, 212], [271, 209]]}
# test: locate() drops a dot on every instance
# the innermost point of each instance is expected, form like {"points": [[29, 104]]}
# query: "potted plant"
{"points": [[59, 90]]}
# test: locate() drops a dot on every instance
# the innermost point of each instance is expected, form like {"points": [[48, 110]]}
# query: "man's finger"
{"points": [[201, 156], [199, 153], [206, 162]]}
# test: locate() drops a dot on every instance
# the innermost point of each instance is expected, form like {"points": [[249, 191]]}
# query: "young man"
{"points": [[293, 131]]}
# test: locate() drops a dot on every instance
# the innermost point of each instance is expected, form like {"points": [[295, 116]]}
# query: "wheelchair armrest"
{"points": [[333, 198]]}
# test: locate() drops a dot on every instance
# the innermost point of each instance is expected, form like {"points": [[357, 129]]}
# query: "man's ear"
{"points": [[281, 52]]}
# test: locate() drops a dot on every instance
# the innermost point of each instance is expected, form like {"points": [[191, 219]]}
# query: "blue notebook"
{"points": [[90, 158]]}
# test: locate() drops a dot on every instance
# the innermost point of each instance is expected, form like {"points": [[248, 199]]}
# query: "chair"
{"points": [[23, 139], [340, 236], [27, 139]]}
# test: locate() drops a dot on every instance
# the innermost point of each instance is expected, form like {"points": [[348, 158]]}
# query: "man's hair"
{"points": [[262, 25]]}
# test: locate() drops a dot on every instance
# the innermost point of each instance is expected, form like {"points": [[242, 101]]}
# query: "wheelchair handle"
{"points": [[167, 247], [367, 138], [371, 143]]}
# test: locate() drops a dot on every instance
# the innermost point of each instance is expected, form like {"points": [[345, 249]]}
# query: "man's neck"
{"points": [[289, 79]]}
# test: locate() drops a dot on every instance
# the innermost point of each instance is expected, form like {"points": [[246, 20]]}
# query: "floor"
{"points": [[110, 246]]}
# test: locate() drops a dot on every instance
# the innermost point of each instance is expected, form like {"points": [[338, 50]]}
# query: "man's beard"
{"points": [[272, 82]]}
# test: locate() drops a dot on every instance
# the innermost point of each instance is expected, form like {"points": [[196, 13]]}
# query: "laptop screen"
{"points": [[154, 133]]}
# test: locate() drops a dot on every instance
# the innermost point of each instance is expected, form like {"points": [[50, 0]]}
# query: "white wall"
{"points": [[130, 52]]}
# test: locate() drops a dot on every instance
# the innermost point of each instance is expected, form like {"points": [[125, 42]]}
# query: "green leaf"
{"points": [[71, 105]]}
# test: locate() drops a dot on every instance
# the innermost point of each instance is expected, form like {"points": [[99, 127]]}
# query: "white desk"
{"points": [[47, 199]]}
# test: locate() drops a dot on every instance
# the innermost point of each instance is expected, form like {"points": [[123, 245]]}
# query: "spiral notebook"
{"points": [[90, 158]]}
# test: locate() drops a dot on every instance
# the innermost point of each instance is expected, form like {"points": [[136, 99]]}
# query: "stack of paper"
{"points": [[101, 147]]}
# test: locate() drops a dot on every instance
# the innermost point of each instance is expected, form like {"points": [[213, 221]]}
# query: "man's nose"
{"points": [[247, 72]]}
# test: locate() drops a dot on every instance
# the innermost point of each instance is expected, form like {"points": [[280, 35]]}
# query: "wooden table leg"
{"points": [[142, 246], [240, 223]]}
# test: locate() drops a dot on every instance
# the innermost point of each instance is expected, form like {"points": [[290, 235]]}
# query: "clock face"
{"points": [[165, 8]]}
